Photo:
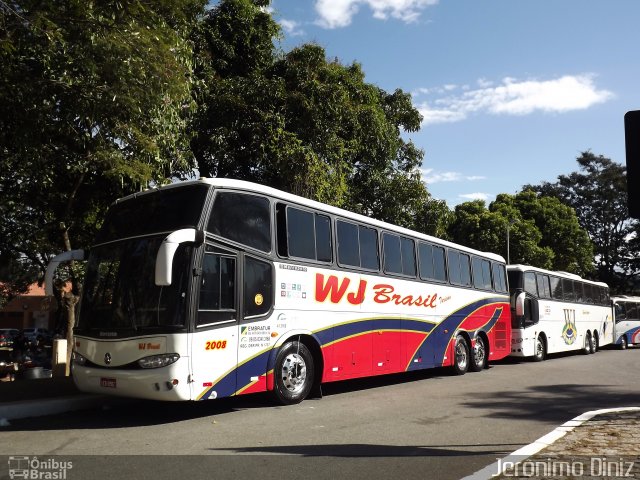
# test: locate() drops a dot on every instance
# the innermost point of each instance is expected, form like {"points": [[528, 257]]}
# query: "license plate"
{"points": [[108, 382]]}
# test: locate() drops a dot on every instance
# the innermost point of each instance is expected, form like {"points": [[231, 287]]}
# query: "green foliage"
{"points": [[299, 122], [597, 193], [93, 105], [538, 231], [487, 229], [568, 245]]}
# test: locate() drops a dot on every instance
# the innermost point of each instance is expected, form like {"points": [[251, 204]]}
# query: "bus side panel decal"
{"points": [[439, 340]]}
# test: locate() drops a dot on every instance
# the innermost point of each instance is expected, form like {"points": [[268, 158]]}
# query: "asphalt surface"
{"points": [[608, 440]]}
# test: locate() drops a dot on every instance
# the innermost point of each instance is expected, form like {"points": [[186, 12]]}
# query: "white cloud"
{"points": [[429, 176], [338, 13], [513, 97], [476, 196], [291, 27]]}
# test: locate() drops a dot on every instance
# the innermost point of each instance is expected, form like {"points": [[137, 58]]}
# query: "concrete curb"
{"points": [[493, 470], [40, 408]]}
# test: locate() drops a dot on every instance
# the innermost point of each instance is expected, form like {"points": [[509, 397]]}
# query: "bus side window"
{"points": [[620, 312], [242, 218], [632, 311], [217, 289]]}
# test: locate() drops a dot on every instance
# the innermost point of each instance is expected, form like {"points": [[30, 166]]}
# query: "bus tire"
{"points": [[595, 343], [588, 344], [480, 356], [540, 349], [460, 356], [293, 373], [623, 342]]}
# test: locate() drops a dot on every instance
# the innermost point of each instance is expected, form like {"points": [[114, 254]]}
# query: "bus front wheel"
{"points": [[293, 373], [541, 350], [623, 343], [460, 356]]}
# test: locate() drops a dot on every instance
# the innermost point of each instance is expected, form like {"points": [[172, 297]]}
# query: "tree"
{"points": [[560, 231], [486, 229], [93, 104], [597, 192], [299, 122]]}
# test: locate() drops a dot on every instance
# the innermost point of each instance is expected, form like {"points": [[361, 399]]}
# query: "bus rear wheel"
{"points": [[595, 343], [541, 350], [480, 356], [588, 344], [460, 356], [293, 373]]}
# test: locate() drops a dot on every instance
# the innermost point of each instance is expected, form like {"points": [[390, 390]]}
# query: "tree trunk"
{"points": [[69, 300]]}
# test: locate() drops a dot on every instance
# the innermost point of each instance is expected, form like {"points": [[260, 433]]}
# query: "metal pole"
{"points": [[508, 256]]}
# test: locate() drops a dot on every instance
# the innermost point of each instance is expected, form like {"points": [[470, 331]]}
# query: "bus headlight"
{"points": [[158, 361], [79, 359]]}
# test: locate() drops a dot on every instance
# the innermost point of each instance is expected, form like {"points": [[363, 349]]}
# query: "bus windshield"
{"points": [[154, 212], [120, 294]]}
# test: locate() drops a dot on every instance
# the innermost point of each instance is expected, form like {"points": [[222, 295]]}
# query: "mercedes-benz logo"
{"points": [[107, 358]]}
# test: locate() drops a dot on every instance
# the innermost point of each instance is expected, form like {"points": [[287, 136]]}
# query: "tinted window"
{"points": [[543, 286], [530, 283], [164, 210], [459, 268], [348, 244], [323, 238], [481, 274], [499, 278], [632, 311], [217, 289], [454, 267], [368, 248], [621, 313], [588, 293], [604, 296], [567, 290], [392, 255], [465, 269], [357, 246], [242, 218], [578, 291], [258, 287], [408, 249], [556, 288], [432, 264], [301, 233]]}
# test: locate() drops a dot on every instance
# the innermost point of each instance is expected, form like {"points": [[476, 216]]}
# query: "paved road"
{"points": [[426, 425]]}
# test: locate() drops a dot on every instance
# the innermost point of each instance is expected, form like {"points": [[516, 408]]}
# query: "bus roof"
{"points": [[572, 276], [281, 195], [625, 298]]}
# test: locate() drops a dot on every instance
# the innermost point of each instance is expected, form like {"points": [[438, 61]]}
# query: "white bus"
{"points": [[213, 288], [627, 326], [557, 312]]}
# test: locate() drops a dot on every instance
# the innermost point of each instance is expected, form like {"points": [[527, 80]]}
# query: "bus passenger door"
{"points": [[255, 332], [215, 338]]}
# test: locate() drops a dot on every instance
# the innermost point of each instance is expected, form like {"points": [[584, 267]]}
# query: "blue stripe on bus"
{"points": [[438, 340], [435, 343]]}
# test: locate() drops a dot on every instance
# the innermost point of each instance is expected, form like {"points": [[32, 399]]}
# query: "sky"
{"points": [[511, 91]]}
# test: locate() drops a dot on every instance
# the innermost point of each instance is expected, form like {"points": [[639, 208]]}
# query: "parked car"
{"points": [[37, 336], [7, 364], [7, 335]]}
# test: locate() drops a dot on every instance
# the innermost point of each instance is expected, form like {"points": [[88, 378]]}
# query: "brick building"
{"points": [[32, 309]]}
